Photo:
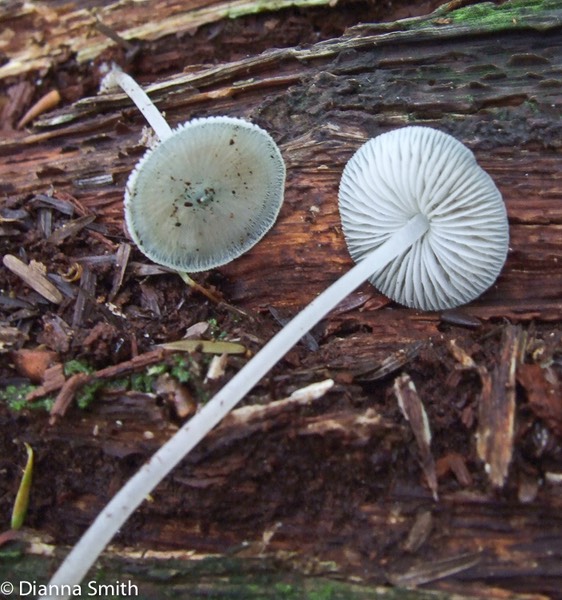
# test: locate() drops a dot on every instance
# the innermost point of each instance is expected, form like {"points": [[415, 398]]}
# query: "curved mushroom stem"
{"points": [[116, 77], [108, 522]]}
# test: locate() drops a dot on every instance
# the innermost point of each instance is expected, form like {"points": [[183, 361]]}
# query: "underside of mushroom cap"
{"points": [[420, 170], [206, 194]]}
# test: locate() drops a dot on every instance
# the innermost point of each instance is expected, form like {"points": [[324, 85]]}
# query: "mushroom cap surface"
{"points": [[413, 170], [206, 194]]}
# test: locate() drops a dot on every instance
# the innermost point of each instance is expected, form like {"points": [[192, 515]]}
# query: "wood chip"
{"points": [[414, 412], [149, 299], [86, 293], [176, 395], [419, 532], [121, 262], [61, 205], [70, 229], [300, 397], [496, 413], [33, 277], [434, 569], [544, 393], [10, 337], [391, 363], [217, 367], [455, 463]]}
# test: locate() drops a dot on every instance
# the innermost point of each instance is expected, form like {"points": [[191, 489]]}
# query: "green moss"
{"points": [[495, 16], [15, 396], [181, 368], [142, 382], [484, 16], [87, 394], [72, 367]]}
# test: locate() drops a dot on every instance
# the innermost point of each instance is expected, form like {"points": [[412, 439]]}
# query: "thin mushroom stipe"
{"points": [[117, 78], [399, 236], [113, 516]]}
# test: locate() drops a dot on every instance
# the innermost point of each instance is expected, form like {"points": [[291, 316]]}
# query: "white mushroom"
{"points": [[427, 208], [423, 171], [207, 193]]}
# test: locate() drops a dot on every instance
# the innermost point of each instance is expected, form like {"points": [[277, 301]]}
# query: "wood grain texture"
{"points": [[335, 485]]}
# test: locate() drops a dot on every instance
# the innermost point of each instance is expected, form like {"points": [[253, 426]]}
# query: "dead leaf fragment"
{"points": [[33, 363], [32, 275], [205, 346], [47, 102]]}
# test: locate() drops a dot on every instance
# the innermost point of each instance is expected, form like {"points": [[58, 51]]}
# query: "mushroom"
{"points": [[207, 193], [423, 171], [433, 207]]}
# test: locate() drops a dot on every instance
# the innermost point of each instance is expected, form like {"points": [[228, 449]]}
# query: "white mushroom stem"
{"points": [[114, 515], [116, 77]]}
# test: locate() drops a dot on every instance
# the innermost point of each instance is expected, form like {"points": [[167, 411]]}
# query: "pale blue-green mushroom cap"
{"points": [[206, 194]]}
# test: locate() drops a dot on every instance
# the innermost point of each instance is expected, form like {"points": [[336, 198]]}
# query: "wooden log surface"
{"points": [[338, 482]]}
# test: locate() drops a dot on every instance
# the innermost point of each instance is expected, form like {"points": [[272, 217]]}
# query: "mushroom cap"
{"points": [[206, 194], [413, 170]]}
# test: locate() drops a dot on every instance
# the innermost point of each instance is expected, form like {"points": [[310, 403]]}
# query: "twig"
{"points": [[75, 382], [44, 104], [131, 49]]}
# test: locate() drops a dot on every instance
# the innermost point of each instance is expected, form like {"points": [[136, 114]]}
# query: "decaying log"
{"points": [[331, 488]]}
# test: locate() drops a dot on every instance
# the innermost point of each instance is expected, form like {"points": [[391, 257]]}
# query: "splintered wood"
{"points": [[414, 412], [544, 393], [34, 276], [496, 415], [496, 410]]}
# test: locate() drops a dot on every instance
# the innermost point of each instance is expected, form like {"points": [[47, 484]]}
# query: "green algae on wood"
{"points": [[509, 15]]}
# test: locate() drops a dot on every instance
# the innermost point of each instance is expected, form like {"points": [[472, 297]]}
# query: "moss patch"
{"points": [[499, 17]]}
